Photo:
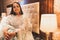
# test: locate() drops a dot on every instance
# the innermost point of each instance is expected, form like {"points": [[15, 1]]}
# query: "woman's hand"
{"points": [[12, 34], [8, 35]]}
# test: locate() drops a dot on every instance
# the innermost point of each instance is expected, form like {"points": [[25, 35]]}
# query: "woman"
{"points": [[20, 24]]}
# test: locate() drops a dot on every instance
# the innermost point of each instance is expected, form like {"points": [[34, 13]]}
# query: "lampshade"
{"points": [[48, 22]]}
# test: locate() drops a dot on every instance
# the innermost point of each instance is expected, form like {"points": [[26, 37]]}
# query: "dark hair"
{"points": [[12, 12]]}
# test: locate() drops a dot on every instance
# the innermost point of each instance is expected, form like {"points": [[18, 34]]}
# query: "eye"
{"points": [[17, 6]]}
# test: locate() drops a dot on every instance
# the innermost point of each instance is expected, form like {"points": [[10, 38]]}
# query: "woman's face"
{"points": [[16, 8]]}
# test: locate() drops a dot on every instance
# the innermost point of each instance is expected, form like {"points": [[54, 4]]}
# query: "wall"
{"points": [[46, 5], [1, 6], [57, 11], [7, 2]]}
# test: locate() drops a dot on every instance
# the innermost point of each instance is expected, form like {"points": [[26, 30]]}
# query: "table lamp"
{"points": [[48, 23]]}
